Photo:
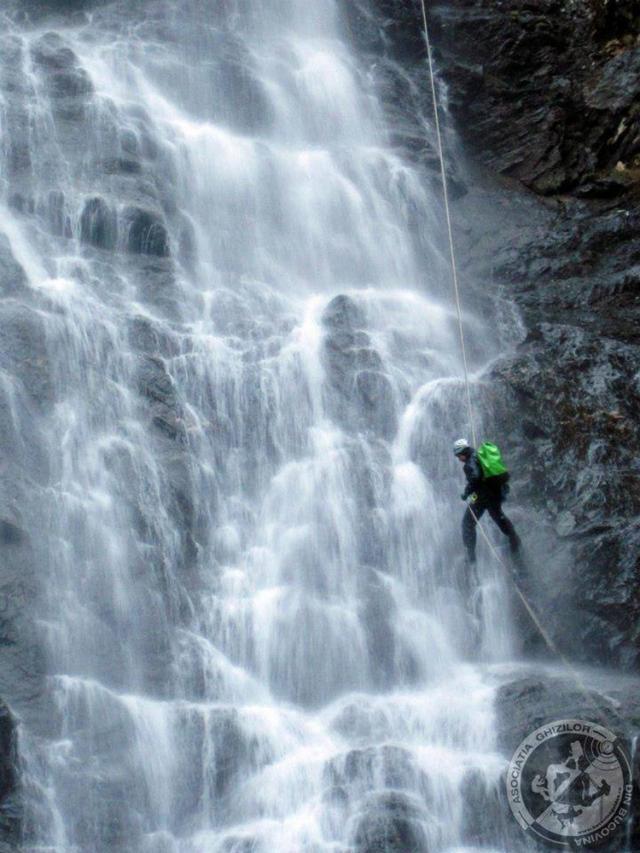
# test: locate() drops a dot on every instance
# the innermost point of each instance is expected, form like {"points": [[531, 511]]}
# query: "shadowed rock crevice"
{"points": [[98, 224]]}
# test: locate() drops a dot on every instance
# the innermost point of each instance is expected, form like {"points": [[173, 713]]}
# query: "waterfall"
{"points": [[231, 379]]}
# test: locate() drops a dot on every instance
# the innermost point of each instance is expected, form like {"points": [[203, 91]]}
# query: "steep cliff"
{"points": [[544, 98], [552, 101]]}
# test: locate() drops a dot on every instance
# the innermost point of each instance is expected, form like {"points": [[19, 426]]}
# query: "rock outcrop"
{"points": [[546, 92]]}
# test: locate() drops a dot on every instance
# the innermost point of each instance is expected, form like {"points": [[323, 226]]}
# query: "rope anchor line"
{"points": [[447, 211], [456, 291]]}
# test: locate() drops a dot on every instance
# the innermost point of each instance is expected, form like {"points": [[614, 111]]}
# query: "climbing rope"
{"points": [[452, 253], [456, 290]]}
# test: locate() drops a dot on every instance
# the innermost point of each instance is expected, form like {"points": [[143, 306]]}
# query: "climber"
{"points": [[486, 493]]}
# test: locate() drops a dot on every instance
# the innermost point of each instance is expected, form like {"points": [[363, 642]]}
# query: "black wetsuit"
{"points": [[489, 496]]}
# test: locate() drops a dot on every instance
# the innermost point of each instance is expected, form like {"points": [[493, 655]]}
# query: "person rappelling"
{"points": [[486, 489]]}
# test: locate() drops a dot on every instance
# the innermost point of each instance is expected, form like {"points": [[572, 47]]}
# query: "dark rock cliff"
{"points": [[546, 92], [553, 104], [10, 793], [544, 99]]}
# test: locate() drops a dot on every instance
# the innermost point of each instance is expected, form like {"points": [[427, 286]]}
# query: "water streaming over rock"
{"points": [[230, 381]]}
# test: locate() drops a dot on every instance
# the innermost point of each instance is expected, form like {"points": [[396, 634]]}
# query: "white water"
{"points": [[252, 606]]}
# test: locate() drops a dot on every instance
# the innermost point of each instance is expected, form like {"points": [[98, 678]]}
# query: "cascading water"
{"points": [[243, 383]]}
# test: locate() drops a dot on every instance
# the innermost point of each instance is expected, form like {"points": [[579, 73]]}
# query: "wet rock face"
{"points": [[23, 352], [391, 824], [389, 25], [570, 397], [486, 814], [544, 97], [37, 9], [67, 84], [534, 700], [146, 233], [10, 801], [125, 205], [364, 397], [545, 92], [98, 225], [389, 34], [160, 398], [233, 76], [615, 20], [12, 277]]}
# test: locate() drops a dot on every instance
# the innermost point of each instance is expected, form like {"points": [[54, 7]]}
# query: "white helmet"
{"points": [[461, 446]]}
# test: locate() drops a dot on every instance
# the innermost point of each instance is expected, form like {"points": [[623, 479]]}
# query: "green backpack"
{"points": [[491, 460]]}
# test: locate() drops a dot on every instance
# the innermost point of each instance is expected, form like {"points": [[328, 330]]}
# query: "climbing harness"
{"points": [[456, 290]]}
